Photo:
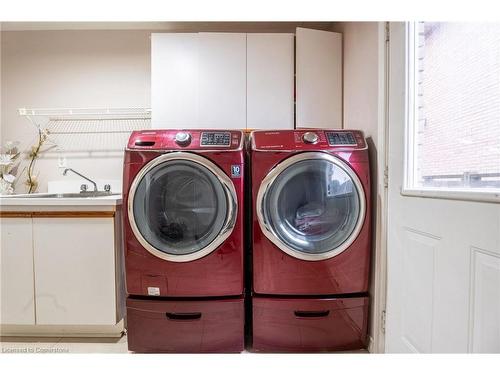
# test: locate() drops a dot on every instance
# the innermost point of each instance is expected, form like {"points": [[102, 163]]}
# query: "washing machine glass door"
{"points": [[311, 205], [182, 206]]}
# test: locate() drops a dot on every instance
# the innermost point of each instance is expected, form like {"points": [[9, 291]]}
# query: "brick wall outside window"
{"points": [[458, 102]]}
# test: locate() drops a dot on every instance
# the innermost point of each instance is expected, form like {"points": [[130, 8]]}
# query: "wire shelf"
{"points": [[88, 129]]}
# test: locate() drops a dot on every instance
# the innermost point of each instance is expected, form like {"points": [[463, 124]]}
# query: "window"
{"points": [[454, 107]]}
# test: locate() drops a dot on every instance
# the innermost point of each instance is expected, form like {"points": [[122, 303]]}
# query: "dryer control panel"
{"points": [[341, 139], [308, 139]]}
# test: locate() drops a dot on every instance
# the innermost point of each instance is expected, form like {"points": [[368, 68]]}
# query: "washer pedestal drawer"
{"points": [[185, 326], [309, 324]]}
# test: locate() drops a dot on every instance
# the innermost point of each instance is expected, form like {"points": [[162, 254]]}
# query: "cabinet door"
{"points": [[74, 270], [222, 81], [270, 69], [198, 80], [318, 79], [174, 80], [17, 291]]}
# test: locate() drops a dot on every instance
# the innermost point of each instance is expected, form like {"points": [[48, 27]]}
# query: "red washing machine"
{"points": [[184, 240], [311, 240]]}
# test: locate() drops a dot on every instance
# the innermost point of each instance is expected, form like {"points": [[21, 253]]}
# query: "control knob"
{"points": [[310, 137], [183, 138]]}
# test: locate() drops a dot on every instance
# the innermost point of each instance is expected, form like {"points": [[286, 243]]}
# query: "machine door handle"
{"points": [[312, 314], [144, 143], [183, 316]]}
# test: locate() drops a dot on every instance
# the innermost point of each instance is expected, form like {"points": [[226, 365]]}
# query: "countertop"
{"points": [[37, 202]]}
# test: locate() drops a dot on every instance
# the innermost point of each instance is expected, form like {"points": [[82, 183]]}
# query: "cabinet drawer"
{"points": [[185, 326], [309, 324]]}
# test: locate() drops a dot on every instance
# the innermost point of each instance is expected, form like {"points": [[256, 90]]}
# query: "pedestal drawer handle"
{"points": [[312, 314], [183, 316]]}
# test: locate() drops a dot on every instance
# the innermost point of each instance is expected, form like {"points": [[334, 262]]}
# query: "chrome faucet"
{"points": [[83, 187]]}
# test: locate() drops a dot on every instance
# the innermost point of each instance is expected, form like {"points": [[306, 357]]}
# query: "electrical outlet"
{"points": [[62, 162]]}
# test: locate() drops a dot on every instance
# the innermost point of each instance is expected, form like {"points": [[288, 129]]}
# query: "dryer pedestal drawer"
{"points": [[309, 324], [185, 326]]}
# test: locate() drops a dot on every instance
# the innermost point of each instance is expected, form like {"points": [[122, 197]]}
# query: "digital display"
{"points": [[341, 139], [215, 139]]}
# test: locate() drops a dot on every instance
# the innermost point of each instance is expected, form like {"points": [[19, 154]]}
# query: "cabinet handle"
{"points": [[312, 314], [183, 316]]}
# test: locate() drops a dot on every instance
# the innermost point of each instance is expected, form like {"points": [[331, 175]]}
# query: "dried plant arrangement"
{"points": [[36, 150], [8, 167]]}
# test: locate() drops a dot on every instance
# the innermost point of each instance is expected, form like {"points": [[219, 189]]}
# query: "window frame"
{"points": [[409, 187]]}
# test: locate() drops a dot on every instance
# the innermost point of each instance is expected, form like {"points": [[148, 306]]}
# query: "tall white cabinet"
{"points": [[174, 80], [222, 80], [270, 85], [318, 79]]}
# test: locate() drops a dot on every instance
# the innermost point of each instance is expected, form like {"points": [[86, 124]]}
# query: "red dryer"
{"points": [[184, 240], [311, 239]]}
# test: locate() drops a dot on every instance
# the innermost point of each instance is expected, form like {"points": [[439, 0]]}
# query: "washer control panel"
{"points": [[215, 139], [341, 139]]}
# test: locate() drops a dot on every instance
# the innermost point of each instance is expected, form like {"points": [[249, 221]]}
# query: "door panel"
{"points": [[418, 271], [17, 288], [270, 78], [485, 304], [174, 80], [318, 79], [442, 293], [75, 271], [198, 80], [222, 81]]}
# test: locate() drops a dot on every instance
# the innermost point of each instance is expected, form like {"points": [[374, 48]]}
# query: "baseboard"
{"points": [[370, 345], [116, 330]]}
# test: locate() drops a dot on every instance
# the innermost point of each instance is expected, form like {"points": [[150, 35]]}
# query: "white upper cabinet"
{"points": [[174, 80], [270, 91], [198, 80], [318, 79], [222, 80]]}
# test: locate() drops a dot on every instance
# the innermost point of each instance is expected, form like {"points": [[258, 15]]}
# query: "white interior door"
{"points": [[443, 254]]}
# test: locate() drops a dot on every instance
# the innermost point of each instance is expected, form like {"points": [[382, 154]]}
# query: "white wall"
{"points": [[361, 104], [71, 68]]}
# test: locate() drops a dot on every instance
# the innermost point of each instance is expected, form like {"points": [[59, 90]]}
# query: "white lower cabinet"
{"points": [[61, 272], [16, 267], [74, 262]]}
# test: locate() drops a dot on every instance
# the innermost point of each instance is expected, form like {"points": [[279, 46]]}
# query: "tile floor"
{"points": [[55, 345], [63, 345]]}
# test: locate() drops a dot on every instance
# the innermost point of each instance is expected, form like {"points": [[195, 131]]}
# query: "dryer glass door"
{"points": [[182, 207], [312, 206]]}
